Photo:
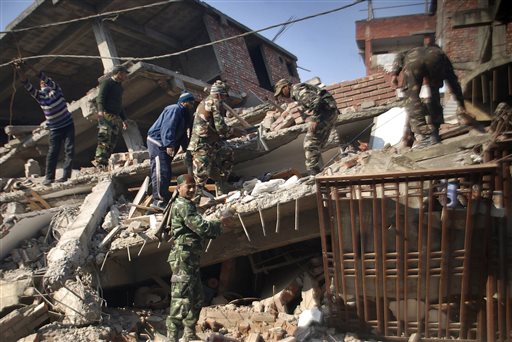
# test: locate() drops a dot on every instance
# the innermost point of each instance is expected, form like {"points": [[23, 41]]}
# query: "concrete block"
{"points": [[13, 208], [22, 322], [80, 303], [254, 337], [10, 292], [111, 219], [367, 104], [139, 156], [32, 168]]}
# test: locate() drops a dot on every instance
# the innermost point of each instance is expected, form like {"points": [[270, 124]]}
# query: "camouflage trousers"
{"points": [[416, 109], [214, 162], [316, 140], [109, 126], [434, 110], [186, 291]]}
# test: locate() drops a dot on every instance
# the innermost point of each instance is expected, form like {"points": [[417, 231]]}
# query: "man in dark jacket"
{"points": [[111, 116], [165, 137]]}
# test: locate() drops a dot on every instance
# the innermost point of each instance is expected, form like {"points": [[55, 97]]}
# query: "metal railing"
{"points": [[418, 252]]}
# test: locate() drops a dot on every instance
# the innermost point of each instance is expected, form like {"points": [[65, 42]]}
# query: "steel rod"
{"points": [[142, 247], [297, 213], [104, 259], [278, 217], [262, 222], [243, 226], [208, 245]]}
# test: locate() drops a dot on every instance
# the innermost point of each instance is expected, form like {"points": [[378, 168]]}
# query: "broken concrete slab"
{"points": [[22, 322], [11, 291], [80, 303], [72, 248], [18, 228]]}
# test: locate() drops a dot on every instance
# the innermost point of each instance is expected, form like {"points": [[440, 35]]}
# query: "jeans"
{"points": [[58, 137]]}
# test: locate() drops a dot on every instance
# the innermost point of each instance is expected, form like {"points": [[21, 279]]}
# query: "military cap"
{"points": [[184, 178], [120, 68], [219, 87], [280, 85]]}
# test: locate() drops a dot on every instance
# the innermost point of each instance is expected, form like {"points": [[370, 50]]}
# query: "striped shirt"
{"points": [[52, 102]]}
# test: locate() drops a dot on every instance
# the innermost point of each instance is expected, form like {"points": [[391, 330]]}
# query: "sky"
{"points": [[325, 46]]}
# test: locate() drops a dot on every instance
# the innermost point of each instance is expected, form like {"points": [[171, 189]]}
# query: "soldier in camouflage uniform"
{"points": [[111, 116], [324, 112], [189, 231], [429, 63], [212, 157]]}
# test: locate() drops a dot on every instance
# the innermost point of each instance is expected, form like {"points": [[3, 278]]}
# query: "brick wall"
{"points": [[393, 27], [277, 64], [399, 28], [460, 44], [365, 91], [237, 68]]}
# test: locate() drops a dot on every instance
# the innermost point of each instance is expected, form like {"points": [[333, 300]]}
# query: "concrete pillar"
{"points": [[132, 137], [106, 46]]}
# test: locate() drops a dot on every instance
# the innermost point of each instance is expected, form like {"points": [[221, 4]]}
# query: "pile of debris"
{"points": [[293, 311]]}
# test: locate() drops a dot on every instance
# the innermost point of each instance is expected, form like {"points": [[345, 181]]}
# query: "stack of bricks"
{"points": [[365, 92], [292, 115]]}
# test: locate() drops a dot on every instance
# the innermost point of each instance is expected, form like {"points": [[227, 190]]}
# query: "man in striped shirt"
{"points": [[58, 121]]}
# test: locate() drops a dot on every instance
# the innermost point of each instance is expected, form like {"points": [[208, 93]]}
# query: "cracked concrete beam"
{"points": [[72, 249]]}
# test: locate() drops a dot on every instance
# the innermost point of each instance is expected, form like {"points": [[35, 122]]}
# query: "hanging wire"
{"points": [[135, 8], [194, 47]]}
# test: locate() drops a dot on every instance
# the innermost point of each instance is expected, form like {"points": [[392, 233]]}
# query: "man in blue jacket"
{"points": [[165, 137]]}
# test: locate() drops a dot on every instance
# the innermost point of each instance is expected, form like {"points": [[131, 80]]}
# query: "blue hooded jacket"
{"points": [[170, 129]]}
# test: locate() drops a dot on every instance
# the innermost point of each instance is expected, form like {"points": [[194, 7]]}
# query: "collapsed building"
{"points": [[387, 243]]}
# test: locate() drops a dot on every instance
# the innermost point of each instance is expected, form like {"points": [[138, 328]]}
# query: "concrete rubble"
{"points": [[81, 260], [64, 265]]}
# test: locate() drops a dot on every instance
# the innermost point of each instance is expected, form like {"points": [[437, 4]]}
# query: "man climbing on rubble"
{"points": [[111, 115], [431, 64], [212, 157], [189, 231], [323, 110], [58, 121], [165, 137]]}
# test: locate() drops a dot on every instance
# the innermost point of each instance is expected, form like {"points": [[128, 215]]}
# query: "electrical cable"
{"points": [[136, 8], [197, 46]]}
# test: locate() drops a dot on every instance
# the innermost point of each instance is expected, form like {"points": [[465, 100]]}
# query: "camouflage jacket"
{"points": [[312, 98], [435, 64], [208, 132], [188, 227]]}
